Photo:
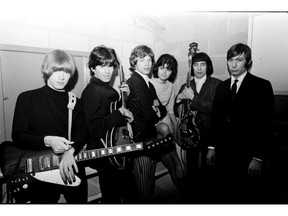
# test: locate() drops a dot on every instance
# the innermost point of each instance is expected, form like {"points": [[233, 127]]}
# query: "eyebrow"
{"points": [[235, 57], [200, 62]]}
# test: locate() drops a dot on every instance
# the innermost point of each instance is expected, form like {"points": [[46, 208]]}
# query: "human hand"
{"points": [[156, 103], [67, 166], [210, 157], [127, 114], [155, 106], [125, 88], [187, 94], [58, 144], [255, 168]]}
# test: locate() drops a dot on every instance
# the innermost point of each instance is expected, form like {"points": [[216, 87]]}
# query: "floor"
{"points": [[164, 193]]}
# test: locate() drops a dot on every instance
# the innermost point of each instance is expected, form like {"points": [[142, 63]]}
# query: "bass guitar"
{"points": [[189, 131], [20, 166], [118, 136]]}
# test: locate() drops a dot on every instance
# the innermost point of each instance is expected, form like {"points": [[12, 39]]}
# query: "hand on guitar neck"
{"points": [[127, 114], [187, 93], [124, 88], [125, 91]]}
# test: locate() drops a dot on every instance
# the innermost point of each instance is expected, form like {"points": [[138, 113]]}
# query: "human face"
{"points": [[104, 73], [144, 65], [236, 65], [200, 69], [58, 80], [164, 73]]}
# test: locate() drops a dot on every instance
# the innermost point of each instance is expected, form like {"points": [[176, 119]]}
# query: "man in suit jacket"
{"points": [[201, 95], [147, 111], [242, 129]]}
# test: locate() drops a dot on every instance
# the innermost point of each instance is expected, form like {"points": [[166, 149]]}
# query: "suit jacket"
{"points": [[202, 103], [243, 128], [140, 103]]}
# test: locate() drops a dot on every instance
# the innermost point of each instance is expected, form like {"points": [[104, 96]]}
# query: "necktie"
{"points": [[234, 89]]}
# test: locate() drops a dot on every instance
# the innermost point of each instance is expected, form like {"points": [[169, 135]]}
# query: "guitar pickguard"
{"points": [[53, 176]]}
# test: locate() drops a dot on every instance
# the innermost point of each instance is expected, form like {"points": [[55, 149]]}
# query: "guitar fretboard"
{"points": [[103, 152]]}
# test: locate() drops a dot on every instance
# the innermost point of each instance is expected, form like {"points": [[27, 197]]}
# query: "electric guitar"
{"points": [[189, 131], [20, 166], [118, 136]]}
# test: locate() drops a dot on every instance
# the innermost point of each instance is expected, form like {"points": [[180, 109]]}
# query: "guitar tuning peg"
{"points": [[16, 190]]}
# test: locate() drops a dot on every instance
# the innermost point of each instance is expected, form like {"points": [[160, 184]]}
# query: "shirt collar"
{"points": [[145, 77], [200, 80], [240, 78]]}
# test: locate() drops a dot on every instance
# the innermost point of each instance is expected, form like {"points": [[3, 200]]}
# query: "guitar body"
{"points": [[41, 165], [118, 136], [189, 132]]}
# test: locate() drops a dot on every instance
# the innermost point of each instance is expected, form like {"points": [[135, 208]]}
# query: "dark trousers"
{"points": [[117, 186], [239, 188], [200, 178], [144, 172]]}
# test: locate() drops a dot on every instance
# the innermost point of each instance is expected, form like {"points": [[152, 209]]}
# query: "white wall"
{"points": [[119, 31], [269, 43]]}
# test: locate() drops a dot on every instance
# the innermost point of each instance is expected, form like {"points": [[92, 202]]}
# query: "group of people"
{"points": [[235, 127]]}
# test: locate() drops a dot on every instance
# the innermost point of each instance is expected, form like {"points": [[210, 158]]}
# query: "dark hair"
{"points": [[202, 57], [239, 49], [140, 52], [171, 64], [104, 56], [58, 60]]}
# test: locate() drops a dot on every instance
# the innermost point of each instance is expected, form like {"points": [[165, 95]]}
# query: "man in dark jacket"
{"points": [[242, 128]]}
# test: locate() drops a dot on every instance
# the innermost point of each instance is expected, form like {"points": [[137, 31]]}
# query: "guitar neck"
{"points": [[51, 161], [105, 152], [188, 81], [122, 81]]}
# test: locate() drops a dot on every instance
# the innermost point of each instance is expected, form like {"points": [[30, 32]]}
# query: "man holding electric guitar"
{"points": [[41, 123], [198, 95], [103, 117]]}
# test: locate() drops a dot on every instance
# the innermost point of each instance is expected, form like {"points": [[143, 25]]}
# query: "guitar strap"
{"points": [[71, 104]]}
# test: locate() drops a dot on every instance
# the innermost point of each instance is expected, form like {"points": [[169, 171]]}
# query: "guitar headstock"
{"points": [[193, 49], [158, 143]]}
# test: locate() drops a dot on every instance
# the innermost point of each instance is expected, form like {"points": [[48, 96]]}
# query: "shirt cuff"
{"points": [[211, 147]]}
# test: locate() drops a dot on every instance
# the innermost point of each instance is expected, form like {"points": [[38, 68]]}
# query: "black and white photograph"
{"points": [[151, 106]]}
